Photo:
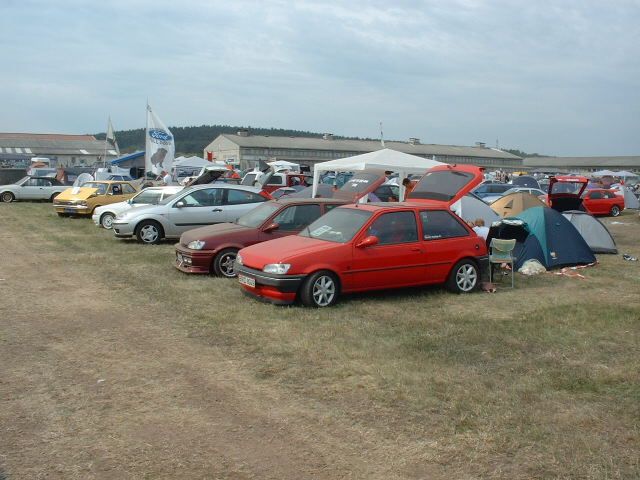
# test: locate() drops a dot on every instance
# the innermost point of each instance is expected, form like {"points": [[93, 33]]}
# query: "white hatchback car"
{"points": [[193, 207], [103, 216]]}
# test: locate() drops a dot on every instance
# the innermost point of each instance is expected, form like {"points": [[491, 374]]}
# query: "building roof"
{"points": [[584, 162], [364, 146], [127, 158], [52, 144]]}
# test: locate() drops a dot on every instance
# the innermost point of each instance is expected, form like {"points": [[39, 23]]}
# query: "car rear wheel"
{"points": [[149, 232], [106, 220], [7, 197], [320, 290], [223, 264], [464, 277], [615, 211]]}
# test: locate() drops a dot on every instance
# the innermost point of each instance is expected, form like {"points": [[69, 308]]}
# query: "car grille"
{"points": [[65, 202]]}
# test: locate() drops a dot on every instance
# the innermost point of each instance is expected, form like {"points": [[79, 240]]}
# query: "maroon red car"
{"points": [[213, 249], [373, 246]]}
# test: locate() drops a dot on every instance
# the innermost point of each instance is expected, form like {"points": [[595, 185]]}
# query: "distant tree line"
{"points": [[192, 140]]}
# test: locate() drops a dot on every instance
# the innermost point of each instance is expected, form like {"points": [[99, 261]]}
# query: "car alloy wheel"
{"points": [[149, 233], [463, 277], [225, 262], [615, 211], [107, 221], [320, 290], [7, 197]]}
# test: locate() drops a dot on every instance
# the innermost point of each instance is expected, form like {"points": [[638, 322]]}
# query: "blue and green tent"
{"points": [[546, 235]]}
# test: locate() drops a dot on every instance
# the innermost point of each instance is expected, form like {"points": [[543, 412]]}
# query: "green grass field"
{"points": [[537, 382]]}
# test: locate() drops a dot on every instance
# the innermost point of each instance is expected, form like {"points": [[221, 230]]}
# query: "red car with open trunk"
{"points": [[373, 246]]}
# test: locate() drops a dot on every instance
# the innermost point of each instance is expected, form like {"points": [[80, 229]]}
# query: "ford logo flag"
{"points": [[159, 134]]}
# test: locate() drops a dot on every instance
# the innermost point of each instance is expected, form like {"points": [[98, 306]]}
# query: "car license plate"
{"points": [[70, 210], [249, 282]]}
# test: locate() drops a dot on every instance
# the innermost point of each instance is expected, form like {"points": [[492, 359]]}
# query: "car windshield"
{"points": [[19, 182], [339, 225], [147, 197], [102, 187], [172, 197], [257, 216]]}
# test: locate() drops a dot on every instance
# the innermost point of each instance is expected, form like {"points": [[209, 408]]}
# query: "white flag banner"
{"points": [[159, 147], [111, 137]]}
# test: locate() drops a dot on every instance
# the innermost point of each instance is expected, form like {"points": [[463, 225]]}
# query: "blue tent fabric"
{"points": [[545, 235]]}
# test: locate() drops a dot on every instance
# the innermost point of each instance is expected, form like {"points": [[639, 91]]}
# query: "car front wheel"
{"points": [[464, 277], [615, 211], [320, 290], [106, 220], [7, 197], [149, 232], [223, 264]]}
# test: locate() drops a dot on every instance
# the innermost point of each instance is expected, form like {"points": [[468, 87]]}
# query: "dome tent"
{"points": [[545, 235], [592, 230], [515, 203]]}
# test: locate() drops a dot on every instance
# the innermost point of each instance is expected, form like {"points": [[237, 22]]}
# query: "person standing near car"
{"points": [[408, 187], [166, 179]]}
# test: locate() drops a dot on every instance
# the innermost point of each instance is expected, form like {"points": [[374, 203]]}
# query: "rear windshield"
{"points": [[442, 186], [567, 187]]}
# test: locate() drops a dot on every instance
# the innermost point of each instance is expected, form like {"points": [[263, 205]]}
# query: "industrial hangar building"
{"points": [[246, 150], [582, 164], [17, 149]]}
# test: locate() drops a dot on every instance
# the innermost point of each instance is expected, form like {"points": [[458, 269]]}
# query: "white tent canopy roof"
{"points": [[385, 159], [603, 173]]}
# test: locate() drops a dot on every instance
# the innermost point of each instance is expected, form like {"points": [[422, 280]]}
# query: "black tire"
{"points": [[62, 214], [464, 277], [149, 232], [7, 197], [615, 211], [320, 289], [223, 264], [106, 220]]}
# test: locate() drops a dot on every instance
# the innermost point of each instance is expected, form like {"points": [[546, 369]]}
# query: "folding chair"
{"points": [[501, 252]]}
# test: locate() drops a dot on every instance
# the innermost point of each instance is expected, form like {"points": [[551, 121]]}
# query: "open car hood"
{"points": [[82, 193], [361, 184], [210, 175], [446, 184]]}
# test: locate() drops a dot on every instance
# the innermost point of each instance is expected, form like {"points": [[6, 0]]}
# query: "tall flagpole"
{"points": [[106, 139]]}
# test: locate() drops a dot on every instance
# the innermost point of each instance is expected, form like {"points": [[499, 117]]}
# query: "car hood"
{"points": [[141, 210], [114, 207], [81, 193], [213, 232], [286, 250], [444, 185]]}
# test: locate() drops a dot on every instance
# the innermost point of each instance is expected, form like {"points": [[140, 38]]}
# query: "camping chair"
{"points": [[501, 252]]}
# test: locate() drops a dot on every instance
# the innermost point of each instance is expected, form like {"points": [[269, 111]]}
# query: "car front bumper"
{"points": [[96, 219], [73, 209], [193, 261], [269, 287], [123, 229]]}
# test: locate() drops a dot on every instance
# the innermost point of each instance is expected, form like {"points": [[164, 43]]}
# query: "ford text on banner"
{"points": [[160, 146]]}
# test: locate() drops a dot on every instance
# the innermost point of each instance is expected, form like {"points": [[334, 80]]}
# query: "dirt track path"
{"points": [[91, 389]]}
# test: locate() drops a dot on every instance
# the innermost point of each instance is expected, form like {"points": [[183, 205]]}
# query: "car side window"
{"points": [[116, 189], [275, 180], [395, 227], [296, 217], [609, 195], [127, 189], [595, 195], [208, 197], [32, 182], [437, 224], [239, 197]]}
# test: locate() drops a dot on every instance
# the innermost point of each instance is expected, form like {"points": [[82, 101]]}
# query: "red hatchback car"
{"points": [[373, 246], [602, 202]]}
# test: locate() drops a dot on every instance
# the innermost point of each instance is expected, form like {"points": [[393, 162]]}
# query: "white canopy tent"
{"points": [[603, 173], [284, 165], [385, 159], [186, 162]]}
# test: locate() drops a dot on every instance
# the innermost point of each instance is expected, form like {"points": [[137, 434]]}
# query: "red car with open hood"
{"points": [[373, 246]]}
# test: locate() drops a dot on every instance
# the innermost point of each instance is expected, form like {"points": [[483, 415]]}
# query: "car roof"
{"points": [[377, 206], [232, 186]]}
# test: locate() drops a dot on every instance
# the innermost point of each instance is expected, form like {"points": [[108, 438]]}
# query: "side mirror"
{"points": [[179, 204], [369, 241], [271, 227]]}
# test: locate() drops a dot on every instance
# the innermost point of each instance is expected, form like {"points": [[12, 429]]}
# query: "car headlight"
{"points": [[239, 259], [196, 245], [279, 268], [82, 203]]}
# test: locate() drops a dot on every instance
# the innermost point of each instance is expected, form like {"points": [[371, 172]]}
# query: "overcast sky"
{"points": [[553, 77]]}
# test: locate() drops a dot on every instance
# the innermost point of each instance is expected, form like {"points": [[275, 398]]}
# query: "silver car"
{"points": [[32, 188], [191, 208]]}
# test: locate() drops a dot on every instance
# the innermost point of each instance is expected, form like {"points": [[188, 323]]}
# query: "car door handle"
{"points": [[416, 249], [216, 210]]}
